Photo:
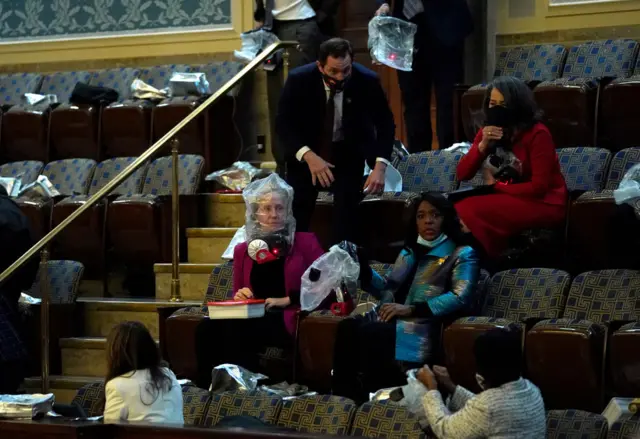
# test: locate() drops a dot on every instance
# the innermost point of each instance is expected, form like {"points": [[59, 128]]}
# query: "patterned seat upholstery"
{"points": [[63, 279], [140, 228], [195, 403], [532, 64], [258, 405], [564, 424], [27, 171], [91, 398], [219, 73], [512, 297], [386, 420], [569, 102], [126, 124], [14, 85], [430, 171], [220, 284], [627, 428], [119, 79], [91, 248], [624, 359], [584, 169], [595, 299], [62, 84], [322, 414]]}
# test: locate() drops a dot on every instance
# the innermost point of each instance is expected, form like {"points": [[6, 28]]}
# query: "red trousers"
{"points": [[493, 219]]}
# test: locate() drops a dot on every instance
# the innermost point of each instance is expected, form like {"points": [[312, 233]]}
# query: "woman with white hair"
{"points": [[268, 266]]}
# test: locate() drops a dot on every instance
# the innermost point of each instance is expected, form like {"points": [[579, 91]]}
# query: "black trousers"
{"points": [[347, 193], [237, 342], [12, 373], [440, 67], [364, 358]]}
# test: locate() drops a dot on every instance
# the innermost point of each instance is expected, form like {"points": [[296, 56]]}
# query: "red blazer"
{"points": [[306, 249], [541, 174]]}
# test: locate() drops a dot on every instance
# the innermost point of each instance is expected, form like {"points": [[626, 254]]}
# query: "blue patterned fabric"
{"points": [[195, 404], [61, 84], [513, 62], [570, 325], [71, 176], [111, 168], [387, 420], [542, 62], [583, 84], [584, 169], [565, 424], [220, 283], [117, 79], [430, 171], [14, 85], [91, 398], [159, 174], [63, 278], [160, 76], [604, 296], [28, 171], [219, 73], [605, 58], [322, 414], [627, 428], [258, 405], [476, 181], [525, 293], [620, 164]]}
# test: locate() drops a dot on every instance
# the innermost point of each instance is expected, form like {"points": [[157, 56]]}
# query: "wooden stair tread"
{"points": [[61, 382], [185, 268], [84, 343], [211, 232], [131, 304]]}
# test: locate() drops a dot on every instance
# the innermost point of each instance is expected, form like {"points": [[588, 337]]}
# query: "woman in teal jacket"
{"points": [[434, 278]]}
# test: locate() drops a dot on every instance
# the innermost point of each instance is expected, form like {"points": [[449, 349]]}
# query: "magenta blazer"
{"points": [[306, 249]]}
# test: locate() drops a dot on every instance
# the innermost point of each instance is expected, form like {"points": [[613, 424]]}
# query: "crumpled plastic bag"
{"points": [[391, 42], [142, 90], [39, 100], [411, 394], [254, 42], [392, 178], [238, 238], [286, 390], [41, 189], [12, 185], [189, 84], [335, 268], [236, 177], [29, 300], [629, 189], [231, 378], [462, 147], [25, 406]]}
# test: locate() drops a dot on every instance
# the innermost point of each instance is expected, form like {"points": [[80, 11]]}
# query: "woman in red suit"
{"points": [[518, 157]]}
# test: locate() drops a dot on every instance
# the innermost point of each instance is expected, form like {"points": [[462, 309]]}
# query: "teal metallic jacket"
{"points": [[444, 283]]}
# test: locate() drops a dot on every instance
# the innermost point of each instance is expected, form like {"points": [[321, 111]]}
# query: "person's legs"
{"points": [[415, 87], [344, 380], [446, 69], [347, 194], [304, 195], [11, 376], [307, 33]]}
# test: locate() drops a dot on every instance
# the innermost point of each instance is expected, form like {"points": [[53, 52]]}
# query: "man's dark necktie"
{"points": [[327, 132], [411, 8]]}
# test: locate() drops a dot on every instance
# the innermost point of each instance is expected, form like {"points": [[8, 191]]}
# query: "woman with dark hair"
{"points": [[509, 405], [139, 386], [518, 157], [433, 278]]}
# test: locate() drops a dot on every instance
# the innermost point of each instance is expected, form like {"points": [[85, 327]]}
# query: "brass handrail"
{"points": [[145, 156]]}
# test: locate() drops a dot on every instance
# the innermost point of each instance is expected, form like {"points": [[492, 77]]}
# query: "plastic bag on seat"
{"points": [[189, 84], [629, 189], [229, 378], [142, 90], [41, 189], [391, 42], [11, 185], [409, 396], [236, 177]]}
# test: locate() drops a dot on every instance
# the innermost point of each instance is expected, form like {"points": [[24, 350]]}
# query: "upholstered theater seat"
{"points": [[625, 428], [532, 64], [25, 131], [13, 86], [320, 414], [624, 360], [195, 404], [211, 134], [514, 298], [91, 398], [91, 225], [139, 225], [126, 125], [26, 171], [565, 357], [564, 424], [262, 406], [75, 129], [387, 420], [69, 177], [569, 103], [602, 234]]}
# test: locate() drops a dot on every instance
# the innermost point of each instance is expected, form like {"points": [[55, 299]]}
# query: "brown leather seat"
{"points": [[565, 357], [569, 103], [75, 129], [516, 298], [139, 225], [25, 133], [90, 226]]}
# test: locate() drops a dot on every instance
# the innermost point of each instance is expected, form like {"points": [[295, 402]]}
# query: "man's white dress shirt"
{"points": [[288, 10]]}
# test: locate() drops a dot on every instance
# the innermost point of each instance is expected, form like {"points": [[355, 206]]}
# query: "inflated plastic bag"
{"points": [[254, 42], [232, 378], [328, 273], [189, 84], [25, 406], [409, 396], [236, 177], [629, 189], [142, 90], [391, 42], [238, 238]]}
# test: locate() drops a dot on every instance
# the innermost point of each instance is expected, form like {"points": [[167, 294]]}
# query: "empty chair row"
{"points": [[126, 127], [587, 93]]}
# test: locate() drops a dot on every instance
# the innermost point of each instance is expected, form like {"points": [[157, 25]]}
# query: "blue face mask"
{"points": [[431, 244]]}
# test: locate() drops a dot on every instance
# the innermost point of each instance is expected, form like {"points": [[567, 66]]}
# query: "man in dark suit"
{"points": [[15, 237], [332, 116], [443, 26]]}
